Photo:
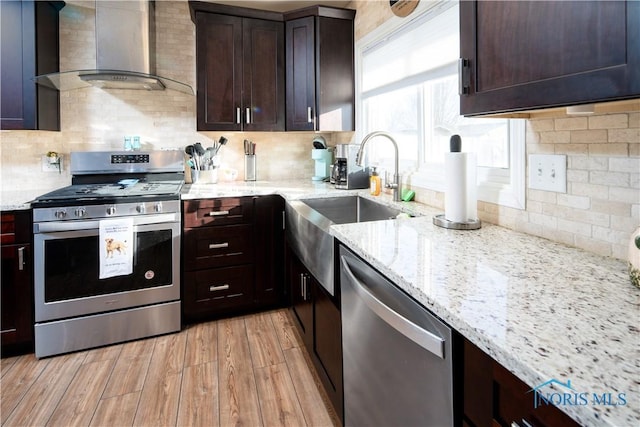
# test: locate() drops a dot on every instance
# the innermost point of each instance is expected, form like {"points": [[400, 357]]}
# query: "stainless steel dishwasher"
{"points": [[398, 364]]}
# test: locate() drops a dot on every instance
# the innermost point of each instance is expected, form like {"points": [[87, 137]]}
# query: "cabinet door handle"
{"points": [[218, 245], [248, 115], [305, 287], [309, 118], [214, 288], [463, 76], [21, 258], [238, 116], [218, 213]]}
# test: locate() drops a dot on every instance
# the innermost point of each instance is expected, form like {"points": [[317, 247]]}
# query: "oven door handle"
{"points": [[55, 226]]}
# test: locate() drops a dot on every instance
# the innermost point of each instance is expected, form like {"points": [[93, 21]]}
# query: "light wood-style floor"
{"points": [[250, 371]]}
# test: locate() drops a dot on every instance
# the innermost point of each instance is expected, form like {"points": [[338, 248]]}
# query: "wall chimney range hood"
{"points": [[125, 52]]}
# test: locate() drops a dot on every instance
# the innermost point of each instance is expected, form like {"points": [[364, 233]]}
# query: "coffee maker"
{"points": [[346, 174]]}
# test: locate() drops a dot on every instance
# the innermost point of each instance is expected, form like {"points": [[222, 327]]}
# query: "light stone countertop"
{"points": [[541, 309], [18, 199]]}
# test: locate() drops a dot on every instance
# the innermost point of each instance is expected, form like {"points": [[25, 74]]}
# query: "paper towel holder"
{"points": [[441, 221]]}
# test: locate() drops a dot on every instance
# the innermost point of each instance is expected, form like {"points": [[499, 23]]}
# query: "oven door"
{"points": [[67, 265]]}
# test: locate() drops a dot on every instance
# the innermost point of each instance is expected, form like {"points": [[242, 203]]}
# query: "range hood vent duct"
{"points": [[125, 52]]}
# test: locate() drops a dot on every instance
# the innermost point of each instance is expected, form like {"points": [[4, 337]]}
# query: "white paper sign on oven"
{"points": [[116, 247]]}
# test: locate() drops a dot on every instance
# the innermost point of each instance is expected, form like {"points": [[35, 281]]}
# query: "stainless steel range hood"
{"points": [[125, 52]]}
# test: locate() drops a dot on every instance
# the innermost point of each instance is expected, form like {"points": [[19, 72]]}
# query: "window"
{"points": [[408, 86]]}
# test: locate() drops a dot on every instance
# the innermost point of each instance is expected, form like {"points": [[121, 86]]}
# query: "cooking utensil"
{"points": [[199, 148], [191, 151]]}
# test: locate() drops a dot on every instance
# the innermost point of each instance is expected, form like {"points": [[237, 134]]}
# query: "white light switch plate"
{"points": [[548, 172]]}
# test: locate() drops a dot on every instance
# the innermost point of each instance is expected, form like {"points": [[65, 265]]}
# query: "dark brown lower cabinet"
{"points": [[233, 256], [493, 396], [317, 317], [16, 329]]}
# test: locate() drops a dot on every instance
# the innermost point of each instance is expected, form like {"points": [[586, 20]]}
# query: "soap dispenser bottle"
{"points": [[375, 182]]}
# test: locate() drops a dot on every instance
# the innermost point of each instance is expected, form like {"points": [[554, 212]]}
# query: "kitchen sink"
{"points": [[346, 210], [308, 222]]}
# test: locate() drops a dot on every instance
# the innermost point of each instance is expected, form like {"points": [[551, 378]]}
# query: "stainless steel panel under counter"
{"points": [[308, 222], [398, 357]]}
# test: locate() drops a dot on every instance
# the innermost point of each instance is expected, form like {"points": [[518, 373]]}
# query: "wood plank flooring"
{"points": [[244, 371]]}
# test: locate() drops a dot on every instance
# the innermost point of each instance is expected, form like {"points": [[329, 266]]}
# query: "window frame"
{"points": [[499, 186]]}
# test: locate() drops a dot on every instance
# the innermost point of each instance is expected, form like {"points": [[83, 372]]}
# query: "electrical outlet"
{"points": [[47, 166], [548, 172]]}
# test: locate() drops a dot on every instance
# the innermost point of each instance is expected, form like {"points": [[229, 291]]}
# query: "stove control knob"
{"points": [[80, 212], [158, 207], [60, 214], [111, 210], [140, 208]]}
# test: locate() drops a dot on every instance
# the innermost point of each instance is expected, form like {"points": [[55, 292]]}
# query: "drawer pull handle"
{"points": [[214, 288], [218, 245], [218, 213]]}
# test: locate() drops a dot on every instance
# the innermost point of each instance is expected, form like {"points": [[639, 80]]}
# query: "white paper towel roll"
{"points": [[460, 199]]}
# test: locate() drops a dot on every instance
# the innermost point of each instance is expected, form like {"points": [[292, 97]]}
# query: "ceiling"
{"points": [[282, 5]]}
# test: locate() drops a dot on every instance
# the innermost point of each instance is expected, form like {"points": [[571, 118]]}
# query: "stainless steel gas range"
{"points": [[107, 251]]}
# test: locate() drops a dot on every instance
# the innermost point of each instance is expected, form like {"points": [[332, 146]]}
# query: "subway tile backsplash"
{"points": [[602, 205]]}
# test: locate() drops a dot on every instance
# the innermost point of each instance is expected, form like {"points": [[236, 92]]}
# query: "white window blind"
{"points": [[412, 50]]}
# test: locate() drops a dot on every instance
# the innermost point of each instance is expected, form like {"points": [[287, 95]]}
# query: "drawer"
{"points": [[211, 247], [15, 227], [224, 211], [218, 288]]}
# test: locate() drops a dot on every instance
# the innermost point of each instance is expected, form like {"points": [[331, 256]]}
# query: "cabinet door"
{"points": [[335, 75], [535, 54], [269, 249], [219, 70], [17, 300], [301, 298], [493, 396], [301, 91], [263, 75], [320, 72], [327, 343], [29, 45]]}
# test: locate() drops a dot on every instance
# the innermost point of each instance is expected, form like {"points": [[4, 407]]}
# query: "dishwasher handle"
{"points": [[425, 339]]}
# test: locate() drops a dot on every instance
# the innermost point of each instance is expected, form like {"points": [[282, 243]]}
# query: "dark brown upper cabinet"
{"points": [[528, 55], [320, 69], [29, 46], [240, 68]]}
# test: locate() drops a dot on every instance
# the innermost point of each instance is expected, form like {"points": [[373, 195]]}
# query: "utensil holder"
{"points": [[250, 167]]}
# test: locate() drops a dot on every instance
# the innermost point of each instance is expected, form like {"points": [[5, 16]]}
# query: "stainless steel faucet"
{"points": [[395, 185]]}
